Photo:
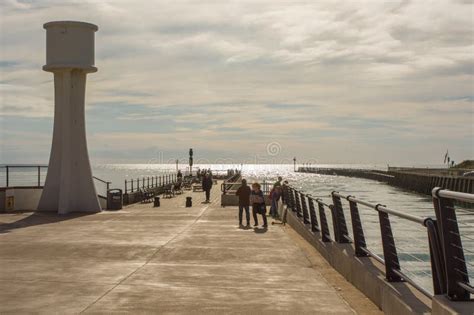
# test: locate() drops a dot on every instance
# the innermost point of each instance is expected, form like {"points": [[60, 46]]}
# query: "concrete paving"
{"points": [[170, 259]]}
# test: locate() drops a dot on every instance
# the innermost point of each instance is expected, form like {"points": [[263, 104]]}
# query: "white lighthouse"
{"points": [[69, 185]]}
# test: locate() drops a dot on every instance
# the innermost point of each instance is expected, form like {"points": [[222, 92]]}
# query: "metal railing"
{"points": [[447, 260], [231, 185], [105, 184], [23, 175], [149, 182], [35, 175]]}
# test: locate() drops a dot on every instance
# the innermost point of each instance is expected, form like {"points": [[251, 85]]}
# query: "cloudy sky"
{"points": [[328, 81]]}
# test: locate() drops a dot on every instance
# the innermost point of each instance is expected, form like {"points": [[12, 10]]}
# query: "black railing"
{"points": [[35, 175], [144, 183], [231, 185], [23, 175], [105, 184], [448, 263]]}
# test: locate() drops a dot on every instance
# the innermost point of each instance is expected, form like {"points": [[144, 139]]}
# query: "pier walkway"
{"points": [[169, 259]]}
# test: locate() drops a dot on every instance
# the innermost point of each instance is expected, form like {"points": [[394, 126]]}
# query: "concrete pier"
{"points": [[169, 259], [415, 180]]}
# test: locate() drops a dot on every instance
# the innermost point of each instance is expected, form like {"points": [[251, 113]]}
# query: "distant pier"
{"points": [[415, 179]]}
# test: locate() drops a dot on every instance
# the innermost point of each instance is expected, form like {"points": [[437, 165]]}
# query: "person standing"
{"points": [[275, 196], [258, 204], [244, 202], [207, 185], [179, 176]]}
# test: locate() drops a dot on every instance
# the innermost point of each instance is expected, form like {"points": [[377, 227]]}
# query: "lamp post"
{"points": [[69, 185], [294, 164], [191, 161]]}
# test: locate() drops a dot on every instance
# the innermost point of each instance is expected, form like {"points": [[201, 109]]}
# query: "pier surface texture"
{"points": [[169, 259]]}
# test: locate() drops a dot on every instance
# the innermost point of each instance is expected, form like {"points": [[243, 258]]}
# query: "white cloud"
{"points": [[405, 62]]}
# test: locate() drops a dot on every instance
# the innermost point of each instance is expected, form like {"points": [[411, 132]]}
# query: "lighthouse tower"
{"points": [[69, 185]]}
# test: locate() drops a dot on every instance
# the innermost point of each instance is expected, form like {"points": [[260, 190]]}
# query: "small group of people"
{"points": [[200, 174], [254, 196]]}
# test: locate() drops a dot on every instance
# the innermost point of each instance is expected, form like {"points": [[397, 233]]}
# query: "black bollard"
{"points": [[157, 202], [189, 202]]}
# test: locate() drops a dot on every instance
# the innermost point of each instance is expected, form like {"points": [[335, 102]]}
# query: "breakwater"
{"points": [[421, 182]]}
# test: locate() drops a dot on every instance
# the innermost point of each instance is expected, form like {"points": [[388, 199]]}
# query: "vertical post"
{"points": [[325, 236], [125, 186], [305, 209], [357, 230], [39, 176], [389, 250], [436, 257], [312, 214], [148, 181], [339, 221], [132, 185], [292, 199], [7, 174], [455, 268], [143, 182], [298, 204]]}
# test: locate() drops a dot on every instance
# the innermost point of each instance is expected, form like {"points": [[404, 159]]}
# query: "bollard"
{"points": [[156, 201], [189, 202]]}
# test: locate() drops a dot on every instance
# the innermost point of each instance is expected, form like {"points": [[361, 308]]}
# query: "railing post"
{"points": [[7, 175], [436, 257], [148, 182], [284, 196], [455, 267], [39, 176], [132, 184], [324, 223], [357, 230], [125, 186], [341, 234], [291, 199], [389, 250], [298, 204], [312, 214], [304, 207]]}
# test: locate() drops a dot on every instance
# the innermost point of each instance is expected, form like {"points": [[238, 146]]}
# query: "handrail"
{"points": [[36, 167], [448, 265], [379, 207], [149, 182], [101, 180], [438, 192], [22, 166]]}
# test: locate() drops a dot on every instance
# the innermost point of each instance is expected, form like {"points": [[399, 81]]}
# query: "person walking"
{"points": [[258, 204], [244, 202], [275, 195], [207, 185]]}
